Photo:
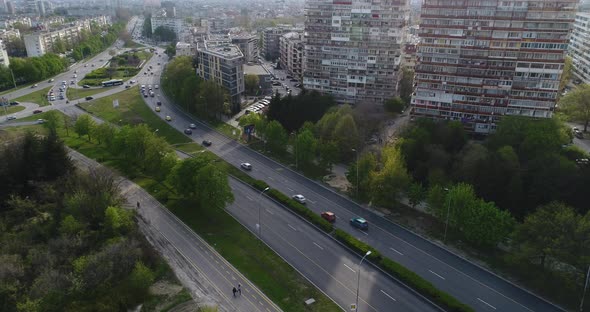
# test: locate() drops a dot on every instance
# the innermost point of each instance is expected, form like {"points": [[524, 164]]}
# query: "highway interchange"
{"points": [[324, 262]]}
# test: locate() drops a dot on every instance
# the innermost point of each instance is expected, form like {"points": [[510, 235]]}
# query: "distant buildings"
{"points": [[185, 49], [221, 62], [270, 41], [291, 53], [579, 47], [3, 55], [175, 24], [353, 48], [169, 8], [9, 23], [480, 60], [264, 78]]}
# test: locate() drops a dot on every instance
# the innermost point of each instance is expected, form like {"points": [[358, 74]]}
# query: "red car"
{"points": [[37, 111], [329, 216]]}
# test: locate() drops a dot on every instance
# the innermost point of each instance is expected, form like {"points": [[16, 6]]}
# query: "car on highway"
{"points": [[168, 118], [127, 86], [206, 143], [10, 118], [145, 95], [159, 103], [51, 80], [37, 111], [578, 133], [14, 103], [359, 223], [88, 98], [192, 126], [40, 121], [157, 109], [328, 216], [156, 87], [299, 198], [86, 86], [246, 166], [188, 131], [34, 86]]}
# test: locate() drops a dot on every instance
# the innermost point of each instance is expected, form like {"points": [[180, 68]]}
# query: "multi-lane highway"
{"points": [[466, 281]]}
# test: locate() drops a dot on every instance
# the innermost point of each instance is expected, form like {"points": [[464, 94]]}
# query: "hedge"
{"points": [[359, 247]]}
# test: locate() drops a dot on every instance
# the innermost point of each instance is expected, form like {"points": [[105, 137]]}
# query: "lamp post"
{"points": [[259, 220], [357, 171], [358, 281], [448, 215], [585, 287]]}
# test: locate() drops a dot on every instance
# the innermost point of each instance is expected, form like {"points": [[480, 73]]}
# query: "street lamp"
{"points": [[357, 171], [155, 131], [448, 215], [585, 287], [358, 281], [259, 220]]}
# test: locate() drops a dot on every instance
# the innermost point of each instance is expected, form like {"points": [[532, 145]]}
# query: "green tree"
{"points": [[566, 74], [305, 147], [416, 194], [105, 133], [276, 137], [52, 120], [84, 125], [328, 151], [213, 186], [436, 200], [406, 85], [252, 84], [346, 135], [367, 164], [117, 221], [576, 105], [163, 33], [140, 279], [70, 226], [59, 46], [485, 224], [394, 105], [388, 183], [214, 96]]}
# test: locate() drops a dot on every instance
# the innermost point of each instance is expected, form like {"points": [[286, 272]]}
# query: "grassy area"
{"points": [[10, 109], [74, 94], [190, 148], [38, 97], [132, 110]]}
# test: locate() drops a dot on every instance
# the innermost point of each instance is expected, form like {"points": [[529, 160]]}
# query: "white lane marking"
{"points": [[290, 189], [250, 198], [390, 297], [436, 274], [489, 305], [363, 232], [320, 247], [396, 251], [349, 268], [272, 213], [270, 178], [311, 201], [294, 229]]}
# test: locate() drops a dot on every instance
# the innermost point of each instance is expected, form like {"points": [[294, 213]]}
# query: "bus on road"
{"points": [[114, 82]]}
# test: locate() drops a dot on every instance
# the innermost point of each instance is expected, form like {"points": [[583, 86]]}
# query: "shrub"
{"points": [[357, 246]]}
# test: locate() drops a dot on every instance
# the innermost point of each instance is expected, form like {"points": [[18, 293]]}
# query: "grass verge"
{"points": [[77, 93], [37, 97], [132, 111], [10, 110]]}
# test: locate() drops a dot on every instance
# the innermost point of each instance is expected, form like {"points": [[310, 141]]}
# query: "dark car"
{"points": [[329, 216], [359, 223], [145, 95], [188, 131], [88, 98], [37, 111], [207, 143], [159, 103], [86, 86], [14, 103]]}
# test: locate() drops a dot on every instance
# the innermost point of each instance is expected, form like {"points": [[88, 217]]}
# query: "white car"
{"points": [[299, 198], [40, 121], [246, 166], [10, 118], [156, 87]]}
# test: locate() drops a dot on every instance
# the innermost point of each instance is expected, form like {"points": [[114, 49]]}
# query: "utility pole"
{"points": [[584, 292]]}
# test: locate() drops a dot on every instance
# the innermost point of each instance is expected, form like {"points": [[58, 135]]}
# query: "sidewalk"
{"points": [[207, 275]]}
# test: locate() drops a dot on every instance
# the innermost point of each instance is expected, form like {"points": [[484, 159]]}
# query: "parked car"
{"points": [[192, 126], [188, 131], [86, 86], [37, 111], [207, 143], [299, 198], [40, 121], [578, 133], [10, 118], [359, 223], [246, 166], [328, 216], [88, 98]]}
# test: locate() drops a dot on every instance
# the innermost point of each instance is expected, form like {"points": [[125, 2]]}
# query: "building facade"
{"points": [[41, 42], [353, 48], [479, 60], [248, 44], [185, 49], [291, 53], [579, 47], [3, 55], [175, 24], [222, 62], [270, 42]]}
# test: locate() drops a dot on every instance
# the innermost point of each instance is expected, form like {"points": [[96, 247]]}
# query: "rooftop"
{"points": [[255, 69], [221, 48]]}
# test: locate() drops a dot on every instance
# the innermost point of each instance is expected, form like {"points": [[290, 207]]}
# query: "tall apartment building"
{"points": [[270, 41], [41, 42], [353, 48], [221, 62], [579, 47], [3, 55], [482, 59], [291, 53], [175, 24], [248, 44], [10, 9]]}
